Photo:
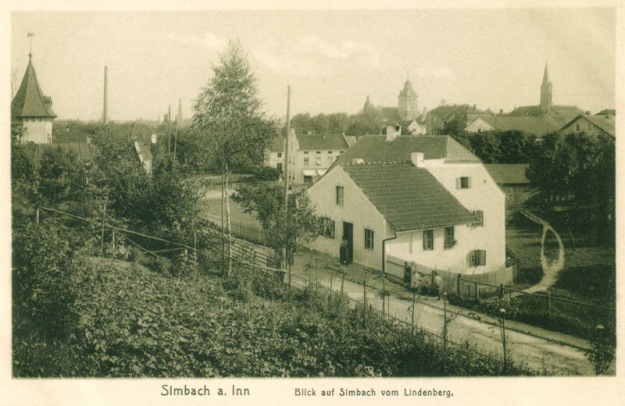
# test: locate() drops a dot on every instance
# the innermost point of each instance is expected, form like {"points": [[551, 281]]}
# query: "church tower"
{"points": [[31, 111], [546, 93], [407, 102]]}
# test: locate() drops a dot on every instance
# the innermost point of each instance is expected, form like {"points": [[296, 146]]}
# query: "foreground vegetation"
{"points": [[80, 316]]}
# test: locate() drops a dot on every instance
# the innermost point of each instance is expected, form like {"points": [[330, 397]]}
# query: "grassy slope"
{"points": [[131, 321]]}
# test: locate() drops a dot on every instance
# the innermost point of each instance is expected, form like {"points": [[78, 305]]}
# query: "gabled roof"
{"points": [[560, 114], [603, 123], [506, 174], [84, 151], [29, 101], [390, 113], [538, 125], [321, 142], [375, 148], [277, 145], [410, 198]]}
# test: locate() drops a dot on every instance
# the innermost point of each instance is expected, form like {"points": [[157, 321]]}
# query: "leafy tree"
{"points": [[266, 203], [486, 146], [59, 176], [515, 147], [228, 112], [579, 169]]}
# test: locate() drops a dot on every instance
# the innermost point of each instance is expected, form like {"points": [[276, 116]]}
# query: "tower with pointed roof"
{"points": [[31, 110], [546, 92], [407, 102]]}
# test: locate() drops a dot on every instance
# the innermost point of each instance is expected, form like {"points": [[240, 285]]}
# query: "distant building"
{"points": [[407, 102], [546, 108], [310, 156], [462, 114], [590, 124], [274, 158], [31, 110], [512, 180], [537, 125]]}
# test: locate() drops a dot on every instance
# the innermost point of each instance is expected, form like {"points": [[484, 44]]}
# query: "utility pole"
{"points": [[169, 136], [286, 177]]}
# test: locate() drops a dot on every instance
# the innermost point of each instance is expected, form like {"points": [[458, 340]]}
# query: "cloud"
{"points": [[312, 54], [207, 41]]}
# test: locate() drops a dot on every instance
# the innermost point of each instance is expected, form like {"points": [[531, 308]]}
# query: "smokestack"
{"points": [[179, 118], [105, 112]]}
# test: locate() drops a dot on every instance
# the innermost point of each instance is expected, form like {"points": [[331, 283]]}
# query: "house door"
{"points": [[348, 243]]}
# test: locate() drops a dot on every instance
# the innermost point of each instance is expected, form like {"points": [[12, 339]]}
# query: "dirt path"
{"points": [[538, 353], [550, 268]]}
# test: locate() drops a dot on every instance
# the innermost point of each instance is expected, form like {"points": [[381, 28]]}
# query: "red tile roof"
{"points": [[410, 198], [29, 101]]}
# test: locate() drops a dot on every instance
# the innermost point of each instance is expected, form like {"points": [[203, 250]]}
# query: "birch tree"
{"points": [[228, 113]]}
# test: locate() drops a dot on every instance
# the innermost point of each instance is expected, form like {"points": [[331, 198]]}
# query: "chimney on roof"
{"points": [[391, 133], [418, 159]]}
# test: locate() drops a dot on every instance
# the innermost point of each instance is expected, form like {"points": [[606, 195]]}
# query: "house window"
{"points": [[327, 227], [279, 154], [578, 127], [463, 182], [368, 239], [340, 195], [449, 237], [589, 128], [478, 257], [329, 152], [306, 161], [479, 218], [428, 240]]}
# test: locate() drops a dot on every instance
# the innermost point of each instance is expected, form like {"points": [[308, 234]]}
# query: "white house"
{"points": [[423, 200], [274, 157], [310, 155]]}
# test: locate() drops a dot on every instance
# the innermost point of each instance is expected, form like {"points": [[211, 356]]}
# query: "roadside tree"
{"points": [[228, 112]]}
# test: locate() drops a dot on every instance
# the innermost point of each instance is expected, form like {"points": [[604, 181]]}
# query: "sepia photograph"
{"points": [[407, 195]]}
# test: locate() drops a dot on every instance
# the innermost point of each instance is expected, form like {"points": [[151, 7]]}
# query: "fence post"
{"points": [[549, 303], [103, 218], [364, 302], [458, 285], [477, 292], [414, 299]]}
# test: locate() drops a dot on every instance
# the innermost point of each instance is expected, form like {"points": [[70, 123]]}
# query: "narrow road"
{"points": [[550, 268], [537, 353]]}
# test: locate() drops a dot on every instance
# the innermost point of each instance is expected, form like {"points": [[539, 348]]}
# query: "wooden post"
{"points": [[364, 302], [458, 291], [549, 303], [194, 247], [114, 242], [102, 236], [414, 299], [477, 292]]}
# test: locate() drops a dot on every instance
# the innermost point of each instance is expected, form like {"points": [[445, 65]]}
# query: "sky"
{"points": [[332, 59]]}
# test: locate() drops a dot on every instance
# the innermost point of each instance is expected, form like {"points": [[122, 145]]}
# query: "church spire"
{"points": [[546, 92]]}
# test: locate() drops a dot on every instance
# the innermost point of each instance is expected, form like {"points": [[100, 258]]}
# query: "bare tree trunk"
{"points": [[228, 223]]}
